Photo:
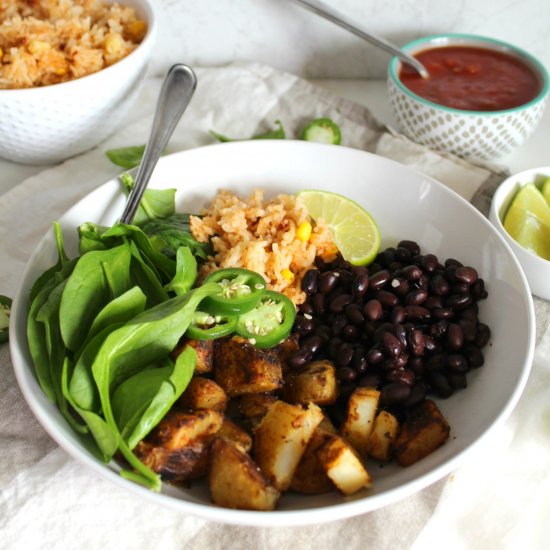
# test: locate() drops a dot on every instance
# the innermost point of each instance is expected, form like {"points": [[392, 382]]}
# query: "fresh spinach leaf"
{"points": [[277, 133], [144, 276], [126, 157], [186, 272], [90, 237]]}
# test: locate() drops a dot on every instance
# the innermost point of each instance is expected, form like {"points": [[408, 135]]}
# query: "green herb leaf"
{"points": [[126, 157], [186, 272]]}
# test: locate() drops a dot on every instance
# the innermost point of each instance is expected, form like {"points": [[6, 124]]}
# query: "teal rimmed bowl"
{"points": [[474, 135]]}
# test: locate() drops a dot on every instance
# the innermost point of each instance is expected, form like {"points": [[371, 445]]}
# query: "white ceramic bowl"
{"points": [[537, 269], [474, 135], [52, 123], [405, 204]]}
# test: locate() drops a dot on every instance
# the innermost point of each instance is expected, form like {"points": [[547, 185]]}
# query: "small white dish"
{"points": [[536, 269], [406, 205]]}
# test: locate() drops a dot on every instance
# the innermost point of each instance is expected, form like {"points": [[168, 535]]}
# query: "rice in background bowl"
{"points": [[50, 123]]}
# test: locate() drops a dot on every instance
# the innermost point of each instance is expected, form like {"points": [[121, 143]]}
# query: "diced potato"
{"points": [[342, 464], [242, 368], [359, 421], [383, 436], [310, 477], [312, 383], [236, 435], [236, 481], [424, 430], [327, 426], [178, 447], [281, 439], [205, 353], [203, 393], [254, 406]]}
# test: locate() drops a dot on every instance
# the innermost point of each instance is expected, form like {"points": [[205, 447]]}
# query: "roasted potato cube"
{"points": [[178, 446], [236, 435], [205, 353], [359, 421], [254, 406], [236, 481], [203, 393], [424, 430], [342, 464], [383, 436], [281, 439], [310, 477], [312, 383], [242, 368]]}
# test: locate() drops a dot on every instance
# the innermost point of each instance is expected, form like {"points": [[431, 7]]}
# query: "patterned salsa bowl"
{"points": [[472, 134]]}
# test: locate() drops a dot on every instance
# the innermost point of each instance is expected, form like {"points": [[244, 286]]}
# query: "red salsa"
{"points": [[472, 79]]}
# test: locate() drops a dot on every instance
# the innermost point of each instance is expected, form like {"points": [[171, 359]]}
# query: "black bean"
{"points": [[398, 314], [441, 384], [386, 298], [394, 393], [350, 333], [299, 358], [460, 288], [334, 346], [370, 380], [478, 291], [400, 287], [418, 366], [442, 313], [416, 342], [439, 285], [416, 297], [318, 303], [429, 262], [474, 356], [430, 345], [338, 323], [467, 275], [455, 337], [483, 335], [436, 362], [458, 380], [354, 313], [433, 301], [359, 362], [403, 376], [452, 262], [379, 279], [312, 343], [469, 313], [456, 362], [458, 302], [328, 281], [417, 313], [338, 304], [307, 308], [360, 285], [391, 346], [417, 394], [469, 329], [345, 277], [402, 254], [439, 329], [375, 356], [344, 355], [303, 324], [310, 281], [411, 246], [372, 310], [346, 374], [412, 272], [386, 257]]}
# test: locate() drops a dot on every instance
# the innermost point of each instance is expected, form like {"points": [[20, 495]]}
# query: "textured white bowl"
{"points": [[475, 135], [406, 205], [536, 269], [52, 123]]}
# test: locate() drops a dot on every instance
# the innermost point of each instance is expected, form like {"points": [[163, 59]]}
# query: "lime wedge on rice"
{"points": [[528, 220], [354, 230]]}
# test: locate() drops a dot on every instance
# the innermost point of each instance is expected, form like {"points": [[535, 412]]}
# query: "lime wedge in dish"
{"points": [[528, 220], [354, 230], [545, 189]]}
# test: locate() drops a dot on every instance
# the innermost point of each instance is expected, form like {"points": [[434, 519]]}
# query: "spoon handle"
{"points": [[176, 93], [341, 20]]}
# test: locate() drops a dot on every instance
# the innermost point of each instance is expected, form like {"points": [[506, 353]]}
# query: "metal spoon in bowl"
{"points": [[176, 93], [341, 20]]}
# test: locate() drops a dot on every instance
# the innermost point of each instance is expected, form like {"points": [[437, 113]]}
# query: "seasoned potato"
{"points": [[423, 431], [281, 439], [382, 436], [342, 464], [359, 421], [310, 477], [236, 481], [242, 368], [236, 435], [177, 448], [205, 353], [312, 383], [254, 406], [203, 393]]}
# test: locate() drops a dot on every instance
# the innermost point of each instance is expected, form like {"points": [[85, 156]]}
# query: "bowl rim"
{"points": [[150, 14], [503, 194], [433, 39]]}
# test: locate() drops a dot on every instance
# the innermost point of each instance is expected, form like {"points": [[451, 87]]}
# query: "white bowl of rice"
{"points": [[70, 70]]}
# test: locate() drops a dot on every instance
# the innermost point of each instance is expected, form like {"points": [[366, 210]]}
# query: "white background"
{"points": [[286, 36]]}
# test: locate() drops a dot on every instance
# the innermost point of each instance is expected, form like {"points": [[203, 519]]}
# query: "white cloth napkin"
{"points": [[497, 499]]}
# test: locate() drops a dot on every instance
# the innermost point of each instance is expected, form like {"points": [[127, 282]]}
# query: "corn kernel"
{"points": [[287, 274], [113, 44], [1, 53], [303, 233], [136, 30], [38, 46]]}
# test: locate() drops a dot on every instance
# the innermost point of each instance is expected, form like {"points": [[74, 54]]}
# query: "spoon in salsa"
{"points": [[341, 20], [176, 93]]}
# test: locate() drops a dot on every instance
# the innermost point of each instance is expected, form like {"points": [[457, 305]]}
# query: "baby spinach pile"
{"points": [[101, 327]]}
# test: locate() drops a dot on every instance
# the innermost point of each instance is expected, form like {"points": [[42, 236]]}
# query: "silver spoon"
{"points": [[341, 20], [176, 93]]}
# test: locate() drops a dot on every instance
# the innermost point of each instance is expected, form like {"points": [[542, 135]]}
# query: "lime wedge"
{"points": [[545, 189], [528, 220], [354, 230]]}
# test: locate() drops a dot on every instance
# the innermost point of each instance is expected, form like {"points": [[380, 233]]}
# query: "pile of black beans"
{"points": [[407, 324]]}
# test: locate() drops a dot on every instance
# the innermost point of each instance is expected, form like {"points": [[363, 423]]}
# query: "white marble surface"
{"points": [[284, 35]]}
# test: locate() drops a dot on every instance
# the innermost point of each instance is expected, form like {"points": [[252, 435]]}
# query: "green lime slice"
{"points": [[354, 230], [545, 190], [528, 220]]}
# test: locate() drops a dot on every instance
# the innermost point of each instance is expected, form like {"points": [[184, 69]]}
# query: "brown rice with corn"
{"points": [[45, 42], [273, 237]]}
